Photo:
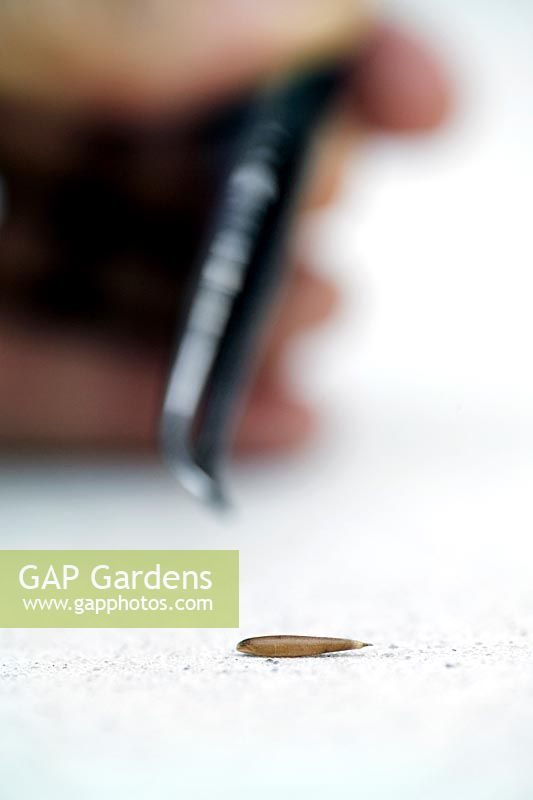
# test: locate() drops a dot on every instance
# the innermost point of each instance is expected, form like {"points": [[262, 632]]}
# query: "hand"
{"points": [[76, 66]]}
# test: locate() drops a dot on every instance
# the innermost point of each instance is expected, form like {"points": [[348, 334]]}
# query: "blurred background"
{"points": [[408, 522]]}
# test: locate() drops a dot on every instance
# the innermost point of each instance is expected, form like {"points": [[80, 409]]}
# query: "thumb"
{"points": [[152, 55]]}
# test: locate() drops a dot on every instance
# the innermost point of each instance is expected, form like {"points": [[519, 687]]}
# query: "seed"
{"points": [[295, 646]]}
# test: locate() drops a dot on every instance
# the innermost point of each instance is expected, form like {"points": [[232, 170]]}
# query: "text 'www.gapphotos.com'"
{"points": [[111, 605]]}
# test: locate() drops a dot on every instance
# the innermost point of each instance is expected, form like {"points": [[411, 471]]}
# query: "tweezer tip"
{"points": [[195, 480]]}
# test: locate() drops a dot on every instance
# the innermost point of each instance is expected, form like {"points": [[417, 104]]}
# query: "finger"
{"points": [[153, 54], [64, 393], [309, 300], [398, 84], [273, 421], [328, 167], [76, 391]]}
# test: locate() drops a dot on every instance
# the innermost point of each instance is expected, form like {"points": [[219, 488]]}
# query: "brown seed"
{"points": [[295, 646]]}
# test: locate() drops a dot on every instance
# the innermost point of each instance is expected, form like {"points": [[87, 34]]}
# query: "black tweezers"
{"points": [[238, 273]]}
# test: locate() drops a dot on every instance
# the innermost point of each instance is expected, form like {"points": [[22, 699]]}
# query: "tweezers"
{"points": [[238, 273]]}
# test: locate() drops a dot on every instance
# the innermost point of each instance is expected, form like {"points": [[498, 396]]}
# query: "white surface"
{"points": [[410, 524]]}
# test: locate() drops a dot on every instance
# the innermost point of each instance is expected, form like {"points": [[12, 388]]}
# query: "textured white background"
{"points": [[409, 524]]}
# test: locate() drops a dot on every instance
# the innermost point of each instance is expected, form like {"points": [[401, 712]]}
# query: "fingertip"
{"points": [[312, 298], [400, 85], [273, 423]]}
